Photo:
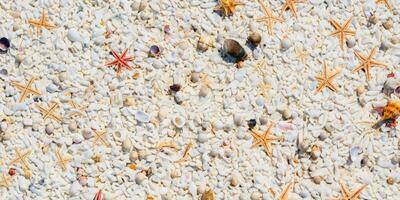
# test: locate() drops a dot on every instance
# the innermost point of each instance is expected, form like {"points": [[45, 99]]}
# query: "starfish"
{"points": [[48, 113], [386, 2], [120, 61], [300, 54], [349, 195], [102, 137], [290, 5], [21, 158], [41, 23], [264, 139], [26, 89], [5, 180], [268, 17], [285, 192], [366, 63], [325, 79], [62, 162], [341, 31], [228, 6], [185, 153]]}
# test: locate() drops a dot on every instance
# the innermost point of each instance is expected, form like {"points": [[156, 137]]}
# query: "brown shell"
{"points": [[209, 195], [234, 49]]}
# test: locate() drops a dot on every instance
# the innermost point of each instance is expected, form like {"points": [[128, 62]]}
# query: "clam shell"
{"points": [[234, 49]]}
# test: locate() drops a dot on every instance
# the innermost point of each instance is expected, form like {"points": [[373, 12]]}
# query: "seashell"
{"points": [[237, 119], [203, 91], [4, 72], [317, 179], [142, 5], [142, 117], [350, 42], [87, 134], [256, 195], [234, 49], [4, 45], [49, 129], [392, 86], [73, 35], [202, 137], [154, 51], [202, 44], [254, 39], [355, 154], [126, 145], [75, 189], [388, 24], [195, 77], [234, 181], [208, 195], [139, 178], [179, 121], [72, 126], [285, 44], [133, 156]]}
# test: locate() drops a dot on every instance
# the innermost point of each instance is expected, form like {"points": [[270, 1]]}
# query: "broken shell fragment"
{"points": [[179, 121], [233, 49]]}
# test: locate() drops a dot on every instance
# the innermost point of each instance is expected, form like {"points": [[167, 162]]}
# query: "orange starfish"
{"points": [[290, 5], [285, 192], [341, 31], [25, 89], [41, 23], [325, 79], [5, 180], [21, 158], [48, 113], [350, 195], [268, 17], [386, 2], [228, 6], [264, 139], [102, 137], [62, 162], [366, 63], [120, 61]]}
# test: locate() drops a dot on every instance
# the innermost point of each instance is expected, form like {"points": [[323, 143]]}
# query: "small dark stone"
{"points": [[154, 51], [4, 45], [4, 72], [234, 49], [254, 39], [175, 87], [252, 123]]}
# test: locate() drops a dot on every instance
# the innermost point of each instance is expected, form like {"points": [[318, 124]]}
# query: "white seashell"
{"points": [[142, 117], [179, 121], [73, 35], [75, 189], [126, 145], [133, 156], [87, 134], [139, 178], [202, 137]]}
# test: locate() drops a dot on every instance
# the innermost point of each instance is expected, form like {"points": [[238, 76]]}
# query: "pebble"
{"points": [[75, 189], [179, 121], [285, 44], [317, 179], [237, 119], [195, 77], [27, 122], [350, 42], [234, 181], [202, 138], [49, 129], [256, 195], [203, 91], [73, 35]]}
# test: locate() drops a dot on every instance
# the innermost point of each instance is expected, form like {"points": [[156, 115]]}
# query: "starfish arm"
{"points": [[344, 190], [334, 33], [335, 24], [356, 193], [112, 63], [331, 86], [378, 64], [285, 192], [319, 88], [359, 56], [351, 33], [293, 8], [358, 68], [372, 53], [347, 23], [267, 149], [124, 53], [55, 117]]}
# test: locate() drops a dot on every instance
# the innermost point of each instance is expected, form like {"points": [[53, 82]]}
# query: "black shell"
{"points": [[4, 45], [234, 49]]}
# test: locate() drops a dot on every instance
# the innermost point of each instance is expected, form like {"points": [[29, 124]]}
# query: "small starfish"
{"points": [[120, 61], [366, 63], [21, 158], [386, 2], [41, 23], [268, 17], [325, 79], [102, 137], [185, 153], [62, 162], [264, 139], [290, 5], [48, 113], [341, 31], [301, 54], [5, 181], [26, 89], [285, 192], [350, 195], [228, 6]]}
